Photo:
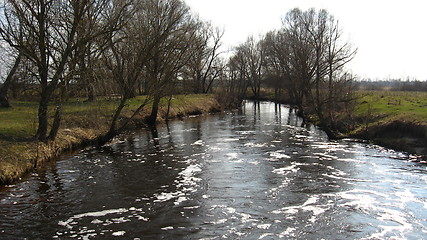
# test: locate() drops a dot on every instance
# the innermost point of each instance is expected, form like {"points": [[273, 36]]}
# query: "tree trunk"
{"points": [[169, 107], [4, 101], [90, 93], [119, 109], [56, 123], [151, 120], [42, 117]]}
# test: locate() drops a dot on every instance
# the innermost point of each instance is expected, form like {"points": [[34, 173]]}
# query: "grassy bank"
{"points": [[393, 119], [82, 123]]}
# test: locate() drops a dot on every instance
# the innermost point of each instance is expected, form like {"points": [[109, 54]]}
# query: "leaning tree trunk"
{"points": [[113, 126], [56, 123], [151, 120], [4, 101], [42, 117], [169, 107]]}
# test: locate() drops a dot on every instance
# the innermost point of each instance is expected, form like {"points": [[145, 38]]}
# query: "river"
{"points": [[252, 174]]}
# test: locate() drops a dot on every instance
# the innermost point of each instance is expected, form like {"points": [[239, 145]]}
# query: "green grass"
{"points": [[20, 121], [394, 105]]}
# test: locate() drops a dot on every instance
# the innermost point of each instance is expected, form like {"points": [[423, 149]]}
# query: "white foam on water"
{"points": [[198, 143], [279, 155], [349, 160], [407, 196], [88, 236], [311, 200], [214, 149], [255, 145], [237, 161], [288, 232], [265, 235], [232, 155], [301, 136], [309, 205], [230, 140], [220, 221], [325, 156], [190, 170], [394, 216], [120, 220], [286, 170], [246, 132], [345, 178], [139, 217], [192, 207], [316, 211], [337, 172], [71, 221], [96, 221], [363, 202], [164, 196], [118, 234], [187, 184], [246, 217], [167, 228], [264, 226], [180, 200]]}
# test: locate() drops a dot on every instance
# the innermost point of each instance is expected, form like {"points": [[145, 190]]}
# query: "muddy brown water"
{"points": [[253, 174]]}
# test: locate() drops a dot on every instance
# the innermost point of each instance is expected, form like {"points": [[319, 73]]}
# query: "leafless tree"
{"points": [[307, 57], [252, 55], [4, 88], [233, 84], [172, 28], [45, 32], [204, 67]]}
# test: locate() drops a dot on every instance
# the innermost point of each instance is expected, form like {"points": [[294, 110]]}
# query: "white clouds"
{"points": [[390, 35]]}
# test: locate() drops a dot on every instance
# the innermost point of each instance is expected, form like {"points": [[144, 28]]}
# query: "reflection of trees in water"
{"points": [[155, 137]]}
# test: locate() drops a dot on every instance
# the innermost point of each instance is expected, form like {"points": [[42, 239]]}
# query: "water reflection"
{"points": [[252, 174]]}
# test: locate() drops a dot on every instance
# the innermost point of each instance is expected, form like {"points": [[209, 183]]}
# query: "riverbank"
{"points": [[82, 124], [392, 119]]}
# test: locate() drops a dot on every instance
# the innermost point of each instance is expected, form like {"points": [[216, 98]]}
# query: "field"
{"points": [[392, 105], [396, 120]]}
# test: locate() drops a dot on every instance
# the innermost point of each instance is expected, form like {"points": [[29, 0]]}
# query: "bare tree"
{"points": [[4, 88], [45, 32], [172, 29], [233, 84], [251, 54], [307, 57], [204, 67]]}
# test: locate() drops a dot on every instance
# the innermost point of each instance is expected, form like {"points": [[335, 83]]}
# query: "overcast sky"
{"points": [[391, 35]]}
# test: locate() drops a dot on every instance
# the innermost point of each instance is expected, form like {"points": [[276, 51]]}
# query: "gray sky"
{"points": [[391, 35]]}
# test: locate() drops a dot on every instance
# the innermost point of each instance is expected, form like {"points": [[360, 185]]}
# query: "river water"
{"points": [[253, 174]]}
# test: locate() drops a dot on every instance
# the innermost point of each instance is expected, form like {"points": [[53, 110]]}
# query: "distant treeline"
{"points": [[393, 85]]}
